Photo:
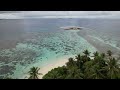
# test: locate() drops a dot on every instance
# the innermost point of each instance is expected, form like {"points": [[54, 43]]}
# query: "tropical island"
{"points": [[83, 66], [71, 28]]}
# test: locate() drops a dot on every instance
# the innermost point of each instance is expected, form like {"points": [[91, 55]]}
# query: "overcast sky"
{"points": [[58, 14]]}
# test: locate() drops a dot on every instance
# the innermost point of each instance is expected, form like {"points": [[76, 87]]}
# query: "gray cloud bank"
{"points": [[58, 14]]}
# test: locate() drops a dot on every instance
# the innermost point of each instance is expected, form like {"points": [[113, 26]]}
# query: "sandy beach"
{"points": [[58, 63], [44, 70]]}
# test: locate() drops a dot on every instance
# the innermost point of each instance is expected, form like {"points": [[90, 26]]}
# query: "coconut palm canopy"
{"points": [[83, 67]]}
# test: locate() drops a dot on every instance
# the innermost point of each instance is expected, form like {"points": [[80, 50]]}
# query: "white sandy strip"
{"points": [[49, 67], [44, 70]]}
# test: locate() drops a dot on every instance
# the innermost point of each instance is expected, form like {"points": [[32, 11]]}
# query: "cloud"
{"points": [[11, 16], [59, 14]]}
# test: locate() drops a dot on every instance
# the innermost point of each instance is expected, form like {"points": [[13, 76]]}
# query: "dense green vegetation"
{"points": [[98, 66]]}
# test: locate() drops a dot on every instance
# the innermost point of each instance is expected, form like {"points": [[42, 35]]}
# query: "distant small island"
{"points": [[71, 28]]}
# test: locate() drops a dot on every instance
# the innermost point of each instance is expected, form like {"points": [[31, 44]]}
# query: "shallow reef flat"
{"points": [[102, 41], [40, 50]]}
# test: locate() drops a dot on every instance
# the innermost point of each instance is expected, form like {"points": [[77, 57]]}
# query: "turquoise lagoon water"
{"points": [[44, 48]]}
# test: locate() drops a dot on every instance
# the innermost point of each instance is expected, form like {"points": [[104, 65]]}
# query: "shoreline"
{"points": [[45, 69]]}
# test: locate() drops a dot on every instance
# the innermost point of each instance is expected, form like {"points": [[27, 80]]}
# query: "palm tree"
{"points": [[96, 74], [79, 60], [103, 55], [96, 54], [78, 57], [70, 62], [86, 56], [109, 53], [87, 69], [113, 68], [87, 53], [74, 73], [34, 73]]}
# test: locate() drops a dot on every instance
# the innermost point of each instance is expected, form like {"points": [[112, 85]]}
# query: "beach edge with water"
{"points": [[44, 70]]}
